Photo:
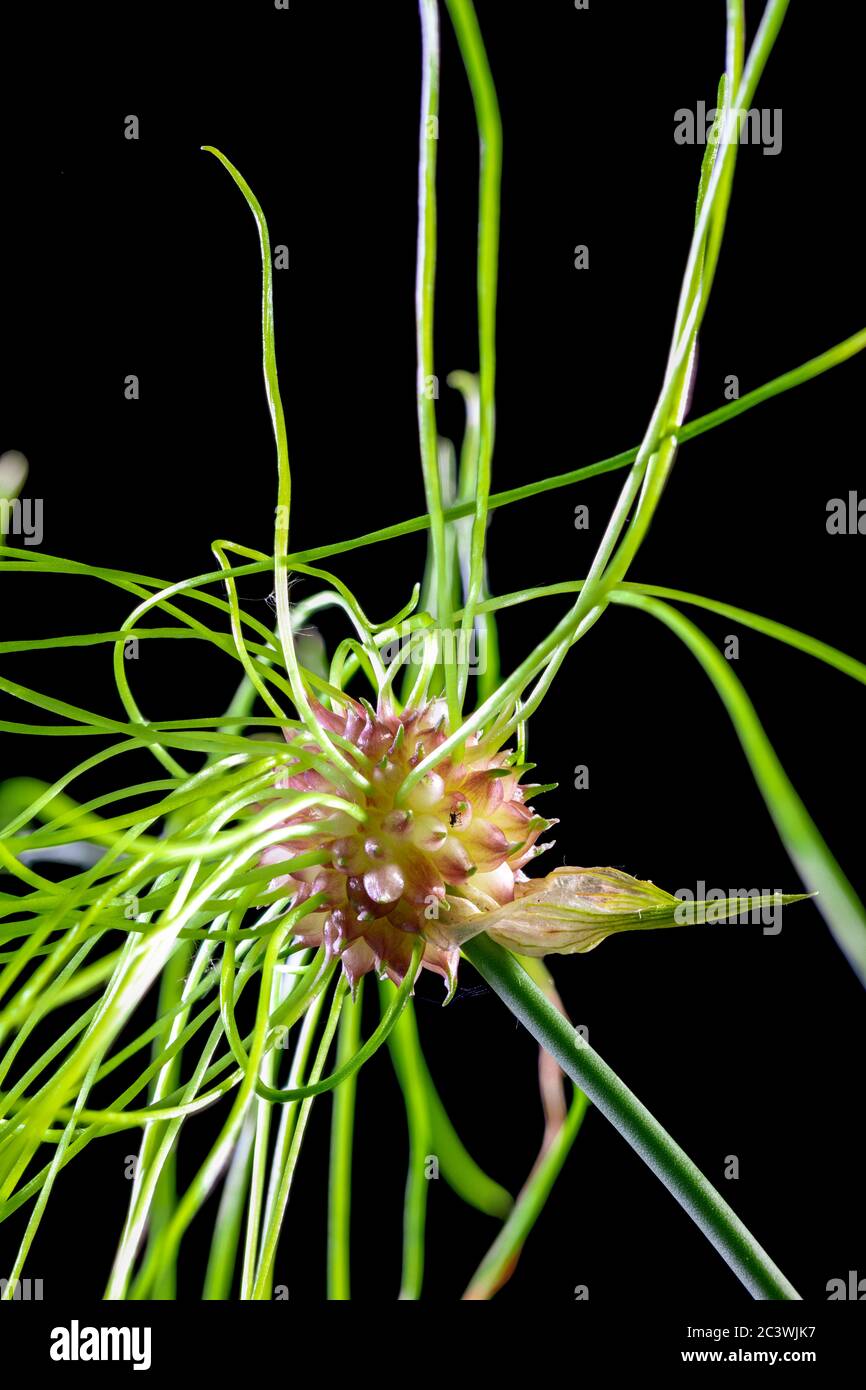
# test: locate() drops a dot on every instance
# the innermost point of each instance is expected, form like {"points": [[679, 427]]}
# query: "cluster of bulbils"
{"points": [[459, 838]]}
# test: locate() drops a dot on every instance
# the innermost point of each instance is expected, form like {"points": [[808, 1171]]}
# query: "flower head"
{"points": [[463, 828]]}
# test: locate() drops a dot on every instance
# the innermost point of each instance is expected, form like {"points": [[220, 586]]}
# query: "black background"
{"points": [[140, 257]]}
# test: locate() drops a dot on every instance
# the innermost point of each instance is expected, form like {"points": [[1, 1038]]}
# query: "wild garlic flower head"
{"points": [[464, 828]]}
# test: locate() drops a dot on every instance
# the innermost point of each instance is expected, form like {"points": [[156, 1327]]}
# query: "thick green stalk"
{"points": [[660, 1152]]}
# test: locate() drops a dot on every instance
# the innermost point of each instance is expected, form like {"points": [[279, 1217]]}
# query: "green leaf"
{"points": [[838, 903]]}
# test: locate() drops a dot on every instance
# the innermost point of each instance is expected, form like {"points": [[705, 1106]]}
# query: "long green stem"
{"points": [[220, 1271], [472, 48], [342, 1133], [284, 486], [405, 1047], [270, 1240], [502, 1256], [651, 1142], [425, 283]]}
